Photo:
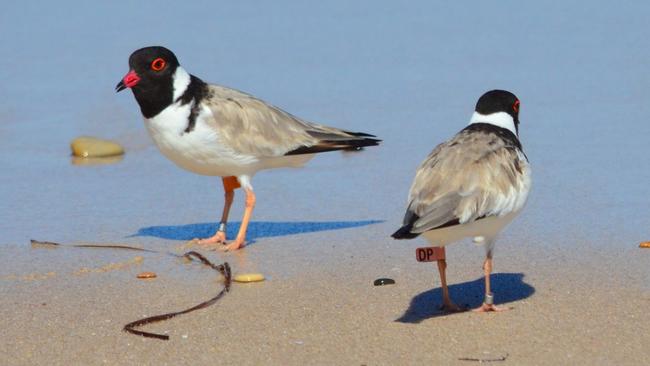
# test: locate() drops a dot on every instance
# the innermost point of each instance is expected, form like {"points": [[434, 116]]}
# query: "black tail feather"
{"points": [[360, 134], [404, 233], [333, 145]]}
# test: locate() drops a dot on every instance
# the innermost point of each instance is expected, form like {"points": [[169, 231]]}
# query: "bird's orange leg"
{"points": [[488, 304], [229, 186], [240, 241], [447, 304]]}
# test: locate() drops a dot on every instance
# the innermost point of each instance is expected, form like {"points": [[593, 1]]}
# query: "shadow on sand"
{"points": [[508, 287], [256, 229]]}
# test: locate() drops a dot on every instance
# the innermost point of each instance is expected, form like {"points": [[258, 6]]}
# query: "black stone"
{"points": [[384, 281]]}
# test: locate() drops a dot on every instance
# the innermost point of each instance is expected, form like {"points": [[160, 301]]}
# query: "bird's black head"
{"points": [[496, 101], [151, 78]]}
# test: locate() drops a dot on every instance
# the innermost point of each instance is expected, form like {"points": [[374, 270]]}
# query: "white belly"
{"points": [[201, 151], [488, 228]]}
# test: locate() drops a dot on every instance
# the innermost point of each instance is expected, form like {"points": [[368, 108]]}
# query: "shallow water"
{"points": [[410, 74]]}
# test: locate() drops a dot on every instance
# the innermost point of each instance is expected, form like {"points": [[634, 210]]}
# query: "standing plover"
{"points": [[471, 186], [213, 130]]}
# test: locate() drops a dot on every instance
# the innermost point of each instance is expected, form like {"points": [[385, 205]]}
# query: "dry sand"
{"points": [[319, 306]]}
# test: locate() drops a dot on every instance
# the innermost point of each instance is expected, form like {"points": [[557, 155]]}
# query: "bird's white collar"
{"points": [[500, 119], [181, 81]]}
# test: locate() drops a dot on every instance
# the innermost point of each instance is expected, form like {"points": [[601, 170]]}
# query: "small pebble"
{"points": [[248, 277], [145, 275], [90, 147], [384, 281], [645, 244]]}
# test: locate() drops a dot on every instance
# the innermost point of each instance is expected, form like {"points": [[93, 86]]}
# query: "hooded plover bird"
{"points": [[471, 186], [213, 130]]}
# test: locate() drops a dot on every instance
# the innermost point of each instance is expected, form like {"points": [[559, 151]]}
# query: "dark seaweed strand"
{"points": [[196, 91], [224, 269], [110, 246], [38, 242], [481, 360], [114, 247]]}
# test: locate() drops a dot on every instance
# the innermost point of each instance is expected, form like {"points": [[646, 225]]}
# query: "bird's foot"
{"points": [[213, 242], [450, 307], [232, 246], [490, 307], [218, 242]]}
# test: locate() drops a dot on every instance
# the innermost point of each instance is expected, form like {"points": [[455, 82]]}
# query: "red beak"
{"points": [[130, 80]]}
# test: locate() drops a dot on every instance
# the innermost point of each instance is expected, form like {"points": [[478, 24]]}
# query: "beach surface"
{"points": [[569, 267]]}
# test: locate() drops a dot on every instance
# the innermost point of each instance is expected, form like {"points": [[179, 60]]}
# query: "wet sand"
{"points": [[320, 307]]}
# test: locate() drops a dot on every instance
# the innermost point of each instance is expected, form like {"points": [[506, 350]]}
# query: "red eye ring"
{"points": [[158, 64], [515, 107]]}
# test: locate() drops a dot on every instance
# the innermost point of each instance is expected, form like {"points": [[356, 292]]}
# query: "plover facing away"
{"points": [[213, 130], [471, 186]]}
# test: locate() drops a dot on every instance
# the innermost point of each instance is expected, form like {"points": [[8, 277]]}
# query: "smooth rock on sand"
{"points": [[248, 277], [91, 147]]}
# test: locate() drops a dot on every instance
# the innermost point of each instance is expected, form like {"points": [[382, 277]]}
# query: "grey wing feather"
{"points": [[468, 177], [250, 126]]}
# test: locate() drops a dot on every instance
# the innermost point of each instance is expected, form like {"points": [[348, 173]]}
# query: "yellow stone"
{"points": [[645, 244], [90, 147], [248, 277]]}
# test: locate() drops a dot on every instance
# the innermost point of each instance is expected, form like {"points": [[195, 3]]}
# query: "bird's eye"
{"points": [[515, 107], [158, 64]]}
